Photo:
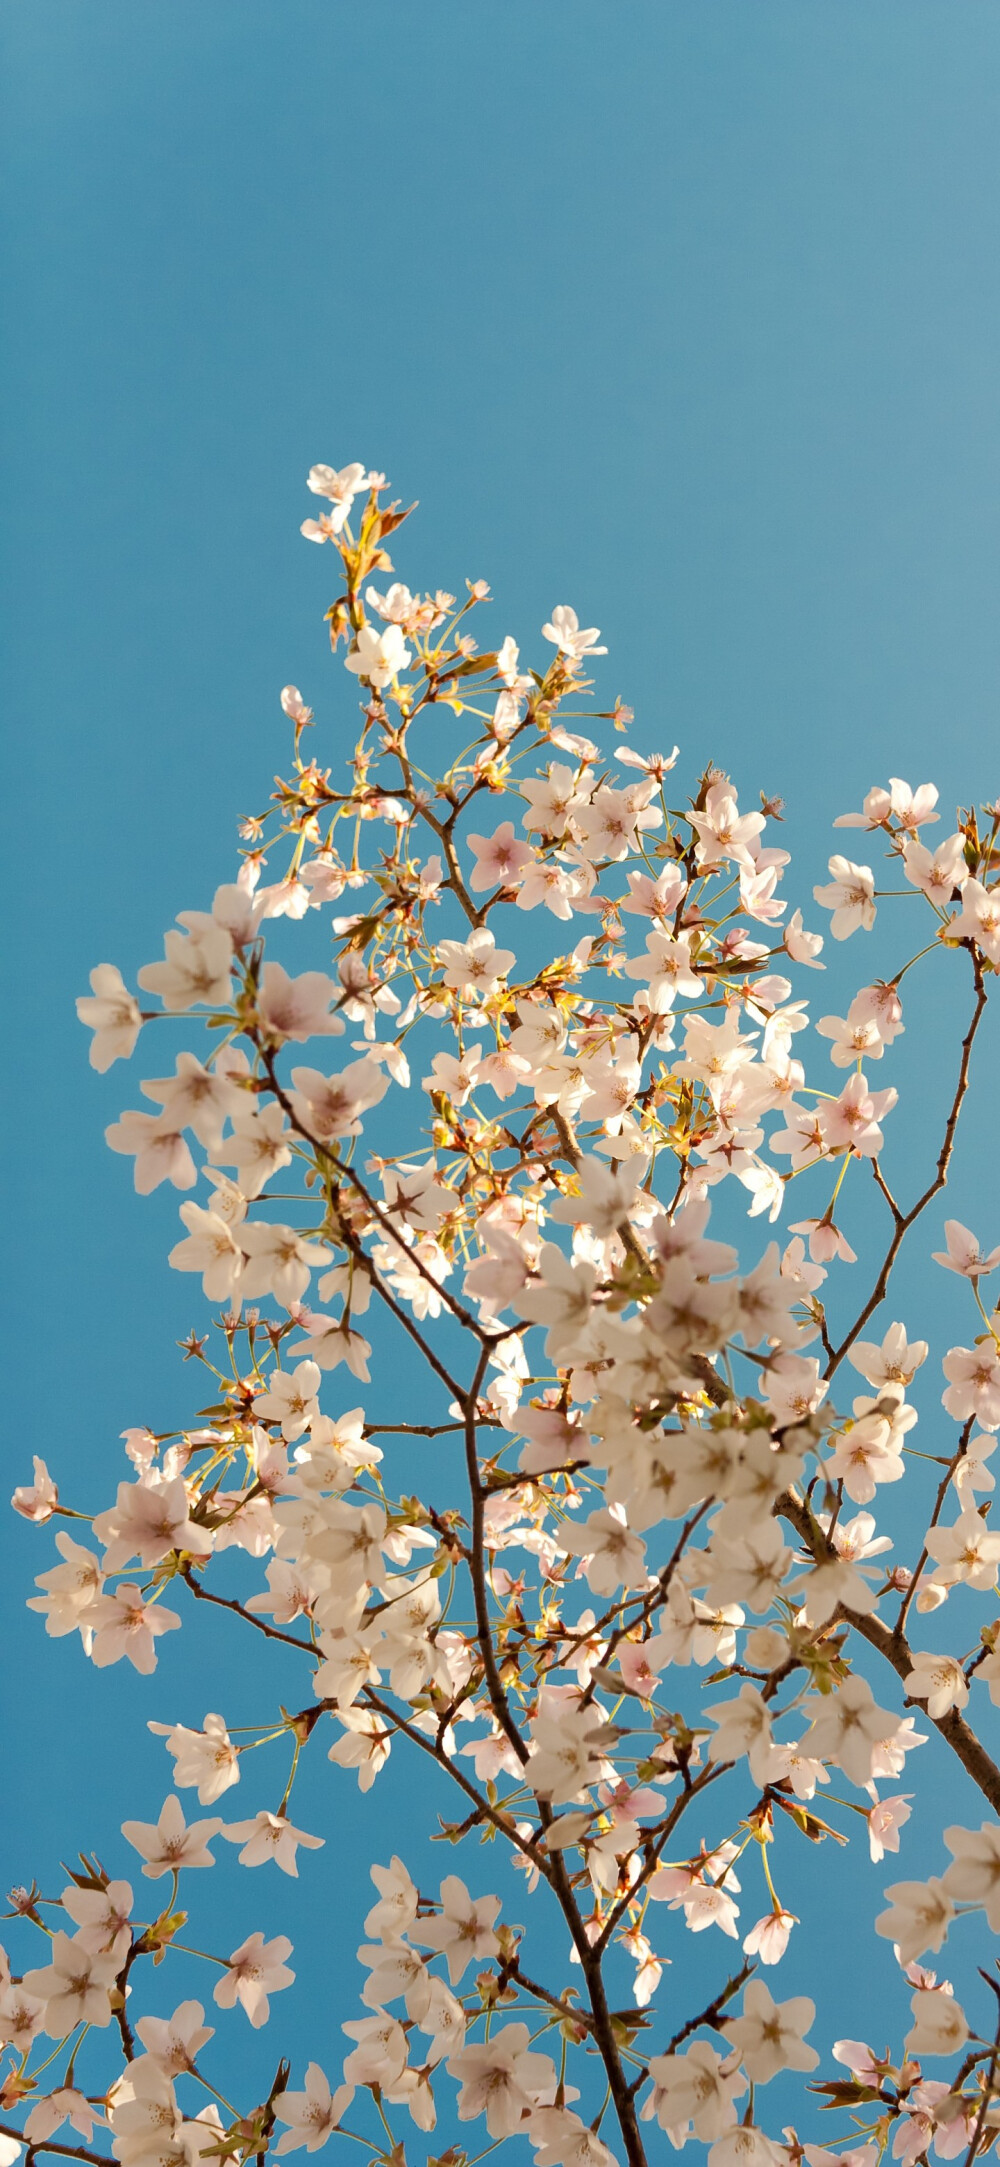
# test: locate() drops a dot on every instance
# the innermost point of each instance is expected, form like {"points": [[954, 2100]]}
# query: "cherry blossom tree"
{"points": [[656, 1614]]}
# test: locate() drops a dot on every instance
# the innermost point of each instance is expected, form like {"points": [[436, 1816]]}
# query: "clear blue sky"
{"points": [[687, 313]]}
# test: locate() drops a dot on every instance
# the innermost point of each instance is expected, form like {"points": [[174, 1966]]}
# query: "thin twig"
{"points": [[902, 1221]]}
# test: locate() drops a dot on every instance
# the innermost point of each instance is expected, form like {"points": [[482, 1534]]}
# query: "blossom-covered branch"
{"points": [[638, 1636]]}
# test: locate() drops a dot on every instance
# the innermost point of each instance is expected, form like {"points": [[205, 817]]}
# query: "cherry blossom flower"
{"points": [[269, 1835], [567, 1753], [210, 1248], [939, 872], [500, 858], [561, 1300], [562, 2140], [846, 1727], [64, 2105], [919, 1919], [605, 1198], [294, 706], [939, 2024], [396, 1908], [379, 656], [257, 1147], [611, 1555], [851, 1121], [745, 2147], [279, 1261], [723, 831], [896, 1361], [75, 1986], [160, 1151], [970, 1472], [151, 1519], [913, 808], [37, 1502], [255, 1970], [70, 1591], [884, 1823], [973, 1383], [196, 1097], [501, 2079], [699, 2087], [332, 1106], [380, 2054], [101, 1917], [865, 1455], [565, 633], [803, 947], [175, 2042], [290, 1399], [197, 967], [749, 1568], [331, 1341], [122, 1624], [939, 1680], [21, 2017], [851, 1040], [744, 1727], [312, 2114], [464, 1932], [113, 1014], [364, 1746], [296, 1008], [966, 1553], [978, 920], [850, 896], [702, 1902], [770, 2035], [476, 965], [964, 1254], [974, 1876], [768, 1940], [854, 2055], [341, 488], [170, 1844]]}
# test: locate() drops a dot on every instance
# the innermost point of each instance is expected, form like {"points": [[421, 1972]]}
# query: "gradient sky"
{"points": [[688, 314]]}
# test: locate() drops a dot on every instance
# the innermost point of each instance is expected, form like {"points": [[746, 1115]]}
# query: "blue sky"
{"points": [[687, 314]]}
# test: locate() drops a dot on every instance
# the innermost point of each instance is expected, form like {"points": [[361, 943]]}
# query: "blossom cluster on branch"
{"points": [[641, 1635]]}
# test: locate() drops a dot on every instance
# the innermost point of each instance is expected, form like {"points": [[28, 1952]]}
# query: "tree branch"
{"points": [[904, 1220], [896, 1650]]}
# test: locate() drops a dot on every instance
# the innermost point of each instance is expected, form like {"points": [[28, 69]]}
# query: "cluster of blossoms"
{"points": [[638, 1411]]}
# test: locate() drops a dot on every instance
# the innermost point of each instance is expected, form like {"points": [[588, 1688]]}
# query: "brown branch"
{"points": [[510, 1968], [477, 1574], [989, 2075], [443, 830], [501, 1823], [943, 1487], [121, 2018], [709, 2015], [603, 2025], [904, 1220], [647, 1603], [896, 1650], [351, 1242], [693, 1790], [462, 1315], [570, 1150], [557, 1875], [416, 1429], [228, 1602], [65, 2151]]}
